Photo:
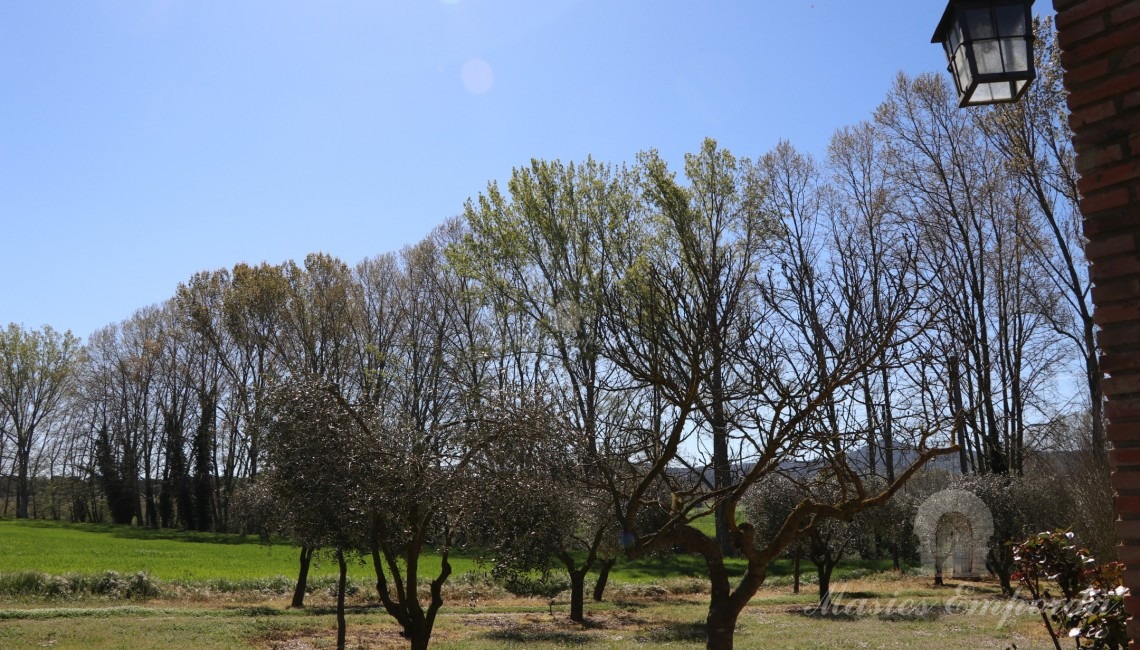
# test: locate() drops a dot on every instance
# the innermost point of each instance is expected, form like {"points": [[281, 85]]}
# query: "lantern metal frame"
{"points": [[989, 49]]}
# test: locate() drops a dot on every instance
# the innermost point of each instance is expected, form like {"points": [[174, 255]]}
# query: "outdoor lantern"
{"points": [[989, 44]]}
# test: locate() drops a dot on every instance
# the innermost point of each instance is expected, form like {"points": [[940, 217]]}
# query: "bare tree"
{"points": [[1033, 139], [995, 342]]}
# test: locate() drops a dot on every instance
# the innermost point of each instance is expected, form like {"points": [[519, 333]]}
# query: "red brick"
{"points": [[1121, 409], [1101, 155], [1118, 362], [1090, 115], [1126, 480], [1131, 577], [1132, 99], [1094, 136], [1091, 49], [1129, 504], [1119, 336], [1121, 433], [1128, 554], [1077, 32], [1127, 529], [1114, 198], [1108, 177], [1081, 10], [1114, 268], [1101, 226], [1129, 11], [1086, 73], [1130, 58], [1132, 626], [1106, 246], [1125, 457], [1081, 31], [1116, 313], [1123, 289], [1110, 86], [1122, 384]]}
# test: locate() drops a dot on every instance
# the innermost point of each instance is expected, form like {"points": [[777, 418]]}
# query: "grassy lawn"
{"points": [[621, 622], [650, 604], [60, 548]]}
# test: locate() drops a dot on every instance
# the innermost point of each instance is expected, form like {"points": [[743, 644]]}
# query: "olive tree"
{"points": [[317, 478]]}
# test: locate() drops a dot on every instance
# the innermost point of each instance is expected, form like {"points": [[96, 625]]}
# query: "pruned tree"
{"points": [[799, 354], [319, 478]]}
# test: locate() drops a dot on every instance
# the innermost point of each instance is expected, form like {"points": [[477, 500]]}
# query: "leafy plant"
{"points": [[1090, 609]]}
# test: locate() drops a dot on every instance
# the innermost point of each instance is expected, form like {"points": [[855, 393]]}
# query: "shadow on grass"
{"points": [[331, 610], [255, 610], [677, 632], [528, 637], [850, 595]]}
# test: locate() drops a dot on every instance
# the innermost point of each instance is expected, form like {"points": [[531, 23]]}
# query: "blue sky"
{"points": [[141, 142]]}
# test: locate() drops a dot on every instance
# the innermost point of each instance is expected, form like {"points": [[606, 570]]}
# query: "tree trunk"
{"points": [[22, 490], [340, 588], [824, 575], [603, 578], [721, 624], [796, 571], [419, 638], [302, 578], [578, 596]]}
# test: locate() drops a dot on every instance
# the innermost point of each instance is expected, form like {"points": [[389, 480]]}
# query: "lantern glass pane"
{"points": [[954, 36], [1000, 91], [1014, 55], [979, 24], [1011, 20], [988, 57], [962, 69], [981, 94]]}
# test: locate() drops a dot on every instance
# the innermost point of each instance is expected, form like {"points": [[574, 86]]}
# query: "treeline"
{"points": [[595, 356]]}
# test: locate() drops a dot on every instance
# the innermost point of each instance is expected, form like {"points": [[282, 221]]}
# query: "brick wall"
{"points": [[1100, 43]]}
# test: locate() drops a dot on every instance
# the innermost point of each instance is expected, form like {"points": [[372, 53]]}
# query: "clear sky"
{"points": [[142, 141]]}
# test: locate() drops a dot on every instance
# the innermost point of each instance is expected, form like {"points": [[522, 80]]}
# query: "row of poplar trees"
{"points": [[624, 348]]}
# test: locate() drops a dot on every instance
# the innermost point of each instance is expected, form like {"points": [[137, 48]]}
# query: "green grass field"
{"points": [[656, 602], [59, 548]]}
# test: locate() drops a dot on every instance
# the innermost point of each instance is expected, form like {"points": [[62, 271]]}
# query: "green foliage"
{"points": [[1090, 608]]}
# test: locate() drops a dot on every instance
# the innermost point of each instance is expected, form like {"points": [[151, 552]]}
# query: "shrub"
{"points": [[1091, 607]]}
